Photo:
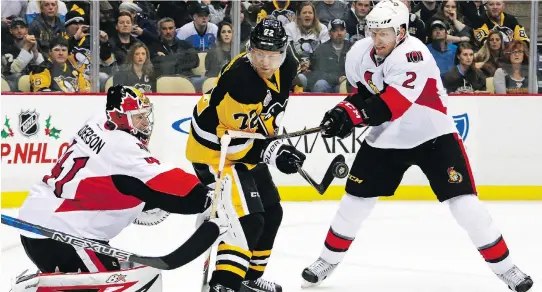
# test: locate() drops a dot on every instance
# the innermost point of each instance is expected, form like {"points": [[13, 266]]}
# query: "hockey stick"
{"points": [[179, 257], [240, 134], [224, 143], [337, 168]]}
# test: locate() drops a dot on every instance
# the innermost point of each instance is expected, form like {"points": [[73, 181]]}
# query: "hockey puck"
{"points": [[340, 170]]}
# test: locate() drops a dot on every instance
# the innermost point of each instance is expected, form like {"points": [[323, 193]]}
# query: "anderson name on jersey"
{"points": [[408, 81], [81, 197], [241, 101]]}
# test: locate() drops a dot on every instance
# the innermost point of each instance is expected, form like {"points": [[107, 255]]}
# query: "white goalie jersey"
{"points": [[408, 80], [79, 196]]}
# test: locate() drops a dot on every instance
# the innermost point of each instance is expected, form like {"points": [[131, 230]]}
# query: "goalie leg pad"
{"points": [[142, 278]]}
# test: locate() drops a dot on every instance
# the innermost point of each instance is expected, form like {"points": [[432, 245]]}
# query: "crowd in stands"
{"points": [[478, 46]]}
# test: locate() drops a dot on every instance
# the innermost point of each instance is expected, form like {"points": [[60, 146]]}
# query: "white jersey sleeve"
{"points": [[134, 159]]}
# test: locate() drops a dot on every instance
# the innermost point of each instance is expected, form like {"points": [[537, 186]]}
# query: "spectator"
{"points": [[19, 52], [138, 70], [177, 10], [442, 51], [488, 57], [458, 31], [513, 75], [57, 74], [123, 40], [77, 32], [464, 77], [328, 61], [13, 7], [282, 10], [200, 33], [416, 26], [425, 10], [107, 18], [172, 56], [144, 29], [35, 8], [496, 19], [218, 10], [220, 54], [306, 33], [355, 21], [328, 10], [47, 25]]}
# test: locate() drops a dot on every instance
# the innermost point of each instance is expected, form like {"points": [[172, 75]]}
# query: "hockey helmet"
{"points": [[269, 36], [389, 13], [128, 109]]}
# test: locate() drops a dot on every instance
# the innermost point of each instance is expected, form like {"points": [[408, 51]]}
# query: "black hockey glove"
{"points": [[339, 121], [283, 156]]}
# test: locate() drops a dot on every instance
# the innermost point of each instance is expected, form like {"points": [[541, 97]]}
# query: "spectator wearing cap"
{"points": [[47, 25], [144, 29], [329, 10], [77, 32], [19, 52], [355, 22], [328, 60], [200, 32], [57, 74], [440, 48]]}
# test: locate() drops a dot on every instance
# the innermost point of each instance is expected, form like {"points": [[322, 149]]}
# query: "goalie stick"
{"points": [[190, 250]]}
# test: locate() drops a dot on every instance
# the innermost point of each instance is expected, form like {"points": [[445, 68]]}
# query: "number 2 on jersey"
{"points": [[78, 163]]}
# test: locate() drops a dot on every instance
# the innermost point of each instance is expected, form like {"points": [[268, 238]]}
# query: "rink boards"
{"points": [[502, 134]]}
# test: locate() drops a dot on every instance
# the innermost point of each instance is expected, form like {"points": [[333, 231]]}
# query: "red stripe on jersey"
{"points": [[496, 251], [336, 242], [175, 182], [467, 163], [430, 97], [98, 194], [397, 103], [96, 261]]}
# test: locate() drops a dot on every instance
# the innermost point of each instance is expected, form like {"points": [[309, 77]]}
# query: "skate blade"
{"points": [[307, 284]]}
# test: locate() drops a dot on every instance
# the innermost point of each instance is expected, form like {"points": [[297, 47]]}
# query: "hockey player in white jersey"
{"points": [[104, 182], [400, 94]]}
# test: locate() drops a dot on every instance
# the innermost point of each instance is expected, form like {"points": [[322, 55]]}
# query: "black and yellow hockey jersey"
{"points": [[508, 25], [49, 76], [241, 101]]}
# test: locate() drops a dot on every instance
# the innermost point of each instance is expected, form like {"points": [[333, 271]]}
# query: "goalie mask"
{"points": [[267, 46], [128, 109]]}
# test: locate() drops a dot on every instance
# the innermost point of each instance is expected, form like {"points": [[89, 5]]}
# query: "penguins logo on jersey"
{"points": [[66, 84], [275, 110]]}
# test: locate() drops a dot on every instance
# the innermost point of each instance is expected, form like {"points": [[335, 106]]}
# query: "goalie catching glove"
{"points": [[283, 156]]}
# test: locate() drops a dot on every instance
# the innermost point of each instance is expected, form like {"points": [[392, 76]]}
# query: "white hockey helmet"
{"points": [[389, 13]]}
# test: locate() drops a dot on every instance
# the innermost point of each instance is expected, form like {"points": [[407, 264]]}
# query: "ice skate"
{"points": [[516, 280], [317, 272], [219, 288], [260, 285]]}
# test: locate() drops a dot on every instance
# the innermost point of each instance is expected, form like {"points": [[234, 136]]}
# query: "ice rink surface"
{"points": [[402, 247]]}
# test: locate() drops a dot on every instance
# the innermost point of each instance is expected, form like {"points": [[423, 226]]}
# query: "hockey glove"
{"points": [[284, 157], [339, 121]]}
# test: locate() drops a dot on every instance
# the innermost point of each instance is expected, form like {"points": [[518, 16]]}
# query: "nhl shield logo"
{"points": [[462, 125], [28, 123]]}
